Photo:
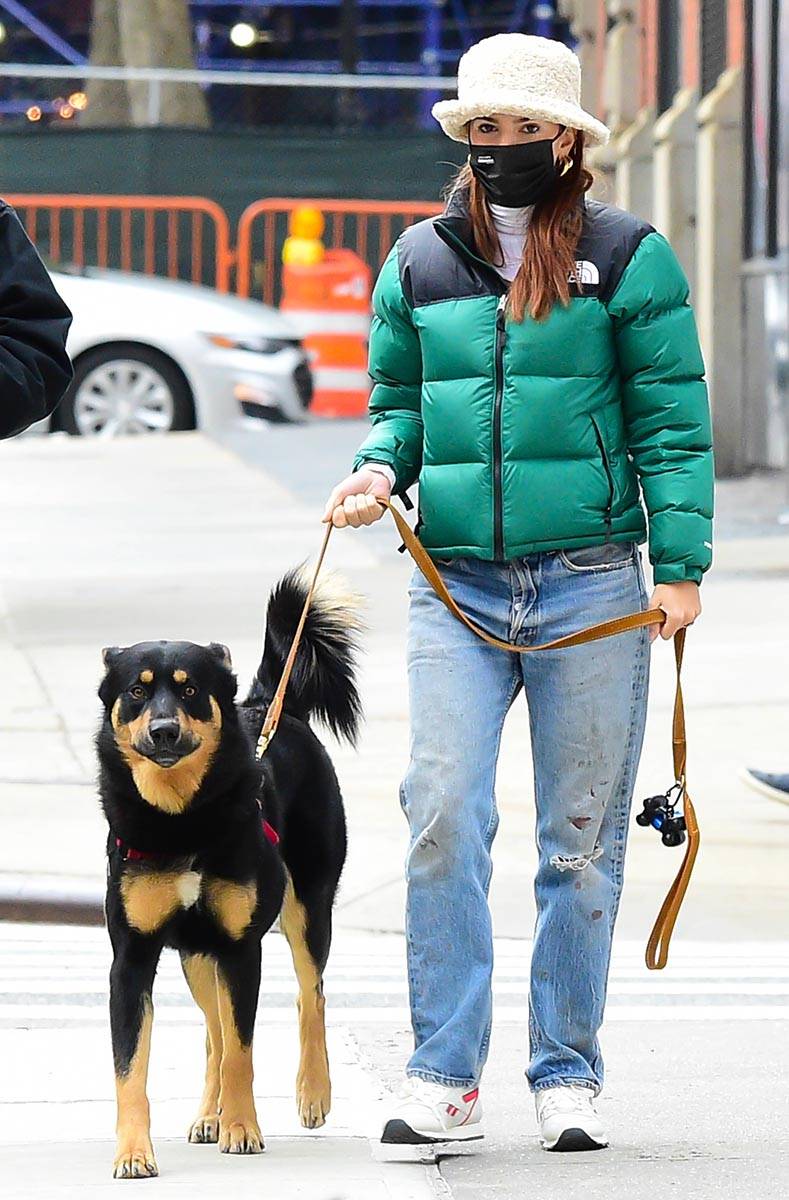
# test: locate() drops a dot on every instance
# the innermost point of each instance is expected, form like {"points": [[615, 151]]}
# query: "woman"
{"points": [[535, 360]]}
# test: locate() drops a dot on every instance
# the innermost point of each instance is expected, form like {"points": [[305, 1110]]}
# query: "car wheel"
{"points": [[125, 389]]}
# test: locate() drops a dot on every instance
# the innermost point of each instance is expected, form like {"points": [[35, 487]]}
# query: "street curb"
{"points": [[437, 1183], [51, 900]]}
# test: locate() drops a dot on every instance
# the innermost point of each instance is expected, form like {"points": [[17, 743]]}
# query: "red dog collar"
{"points": [[270, 832], [129, 854]]}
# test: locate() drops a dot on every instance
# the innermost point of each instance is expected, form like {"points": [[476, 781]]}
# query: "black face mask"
{"points": [[515, 175]]}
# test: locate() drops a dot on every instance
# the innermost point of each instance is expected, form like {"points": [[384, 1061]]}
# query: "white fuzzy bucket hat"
{"points": [[520, 75]]}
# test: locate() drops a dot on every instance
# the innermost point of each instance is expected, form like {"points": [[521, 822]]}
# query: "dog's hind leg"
{"points": [[131, 1019], [308, 930], [200, 972], [238, 985]]}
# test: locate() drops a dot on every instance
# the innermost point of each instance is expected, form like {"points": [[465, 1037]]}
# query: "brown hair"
{"points": [[549, 250]]}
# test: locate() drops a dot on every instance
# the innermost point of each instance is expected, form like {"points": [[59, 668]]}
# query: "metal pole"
{"points": [[347, 103], [154, 101], [349, 41], [262, 78], [431, 44]]}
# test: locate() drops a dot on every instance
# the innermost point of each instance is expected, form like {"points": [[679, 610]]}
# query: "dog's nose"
{"points": [[164, 732]]}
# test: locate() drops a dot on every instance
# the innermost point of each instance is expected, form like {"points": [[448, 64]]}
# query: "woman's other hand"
{"points": [[355, 500], [680, 602]]}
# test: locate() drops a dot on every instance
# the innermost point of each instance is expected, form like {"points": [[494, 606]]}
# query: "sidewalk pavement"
{"points": [[57, 1106], [189, 545], [108, 543]]}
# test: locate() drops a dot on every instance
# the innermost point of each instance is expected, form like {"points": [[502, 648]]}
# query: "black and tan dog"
{"points": [[207, 847]]}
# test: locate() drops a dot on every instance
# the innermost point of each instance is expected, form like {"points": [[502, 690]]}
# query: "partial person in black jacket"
{"points": [[35, 369]]}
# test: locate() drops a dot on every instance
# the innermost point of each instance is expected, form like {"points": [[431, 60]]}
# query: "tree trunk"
{"points": [[143, 33], [108, 101]]}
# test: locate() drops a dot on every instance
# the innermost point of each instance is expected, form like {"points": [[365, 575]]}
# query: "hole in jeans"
{"points": [[575, 862]]}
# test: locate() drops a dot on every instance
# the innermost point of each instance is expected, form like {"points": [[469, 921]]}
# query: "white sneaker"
{"points": [[568, 1119], [427, 1114]]}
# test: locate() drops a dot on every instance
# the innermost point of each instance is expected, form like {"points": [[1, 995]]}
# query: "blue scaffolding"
{"points": [[365, 37], [448, 27]]}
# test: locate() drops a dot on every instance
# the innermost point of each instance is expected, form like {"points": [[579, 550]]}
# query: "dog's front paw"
{"points": [[134, 1160], [240, 1135], [204, 1129], [313, 1100]]}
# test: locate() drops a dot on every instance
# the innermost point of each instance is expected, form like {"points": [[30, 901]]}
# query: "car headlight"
{"points": [[257, 344]]}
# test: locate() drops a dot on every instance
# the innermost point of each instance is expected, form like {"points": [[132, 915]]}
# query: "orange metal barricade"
{"points": [[188, 238], [181, 237], [368, 227]]}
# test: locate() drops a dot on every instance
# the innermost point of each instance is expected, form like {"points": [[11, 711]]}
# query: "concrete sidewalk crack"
{"points": [[61, 727]]}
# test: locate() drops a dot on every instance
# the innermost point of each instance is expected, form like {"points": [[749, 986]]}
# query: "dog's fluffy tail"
{"points": [[323, 680]]}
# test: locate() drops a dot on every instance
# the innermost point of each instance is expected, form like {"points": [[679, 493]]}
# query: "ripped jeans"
{"points": [[587, 708]]}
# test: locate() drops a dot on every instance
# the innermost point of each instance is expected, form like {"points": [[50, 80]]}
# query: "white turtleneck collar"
{"points": [[511, 225], [511, 220]]}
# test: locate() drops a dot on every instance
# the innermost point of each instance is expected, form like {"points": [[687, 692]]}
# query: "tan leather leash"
{"points": [[274, 710], [658, 944]]}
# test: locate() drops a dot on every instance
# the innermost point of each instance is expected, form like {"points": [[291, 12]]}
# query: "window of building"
{"points": [[669, 40], [762, 140], [712, 59]]}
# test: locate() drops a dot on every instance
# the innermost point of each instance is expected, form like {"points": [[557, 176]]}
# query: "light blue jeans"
{"points": [[587, 708]]}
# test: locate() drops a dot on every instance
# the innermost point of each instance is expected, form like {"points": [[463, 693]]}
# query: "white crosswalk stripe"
{"points": [[58, 976]]}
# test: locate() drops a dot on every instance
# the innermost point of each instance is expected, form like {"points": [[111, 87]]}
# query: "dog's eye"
{"points": [[137, 692], [189, 690]]}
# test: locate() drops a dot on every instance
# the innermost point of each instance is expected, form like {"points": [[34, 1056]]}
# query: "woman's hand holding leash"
{"points": [[355, 501], [680, 602]]}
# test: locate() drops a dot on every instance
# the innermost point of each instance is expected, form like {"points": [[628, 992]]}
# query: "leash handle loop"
{"points": [[658, 944]]}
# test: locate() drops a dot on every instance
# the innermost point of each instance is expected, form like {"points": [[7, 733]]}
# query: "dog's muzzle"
{"points": [[165, 742]]}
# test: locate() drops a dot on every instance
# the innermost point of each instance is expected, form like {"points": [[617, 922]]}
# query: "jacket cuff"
{"points": [[676, 573], [376, 458]]}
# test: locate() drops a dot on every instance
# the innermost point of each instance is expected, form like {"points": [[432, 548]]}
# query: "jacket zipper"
{"points": [[498, 514], [609, 476], [497, 285]]}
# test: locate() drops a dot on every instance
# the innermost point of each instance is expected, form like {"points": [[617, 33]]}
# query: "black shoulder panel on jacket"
{"points": [[438, 260], [34, 367], [608, 240], [431, 270]]}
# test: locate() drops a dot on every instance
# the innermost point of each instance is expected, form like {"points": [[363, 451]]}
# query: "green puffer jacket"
{"points": [[536, 435]]}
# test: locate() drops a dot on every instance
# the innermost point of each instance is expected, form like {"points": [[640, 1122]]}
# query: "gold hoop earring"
{"points": [[567, 165]]}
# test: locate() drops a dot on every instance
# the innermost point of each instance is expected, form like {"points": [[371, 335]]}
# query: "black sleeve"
{"points": [[34, 367]]}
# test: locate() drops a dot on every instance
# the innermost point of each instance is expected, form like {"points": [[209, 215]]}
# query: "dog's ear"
{"points": [[221, 653], [109, 656]]}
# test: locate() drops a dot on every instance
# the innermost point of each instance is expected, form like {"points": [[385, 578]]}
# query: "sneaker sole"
{"points": [[398, 1133], [574, 1140], [766, 789]]}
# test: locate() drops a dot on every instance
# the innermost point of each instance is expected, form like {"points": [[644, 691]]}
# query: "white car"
{"points": [[153, 354]]}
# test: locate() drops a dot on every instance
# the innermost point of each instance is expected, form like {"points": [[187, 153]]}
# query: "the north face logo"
{"points": [[585, 274]]}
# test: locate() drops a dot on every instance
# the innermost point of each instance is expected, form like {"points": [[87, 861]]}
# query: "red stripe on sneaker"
{"points": [[470, 1098], [453, 1112]]}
